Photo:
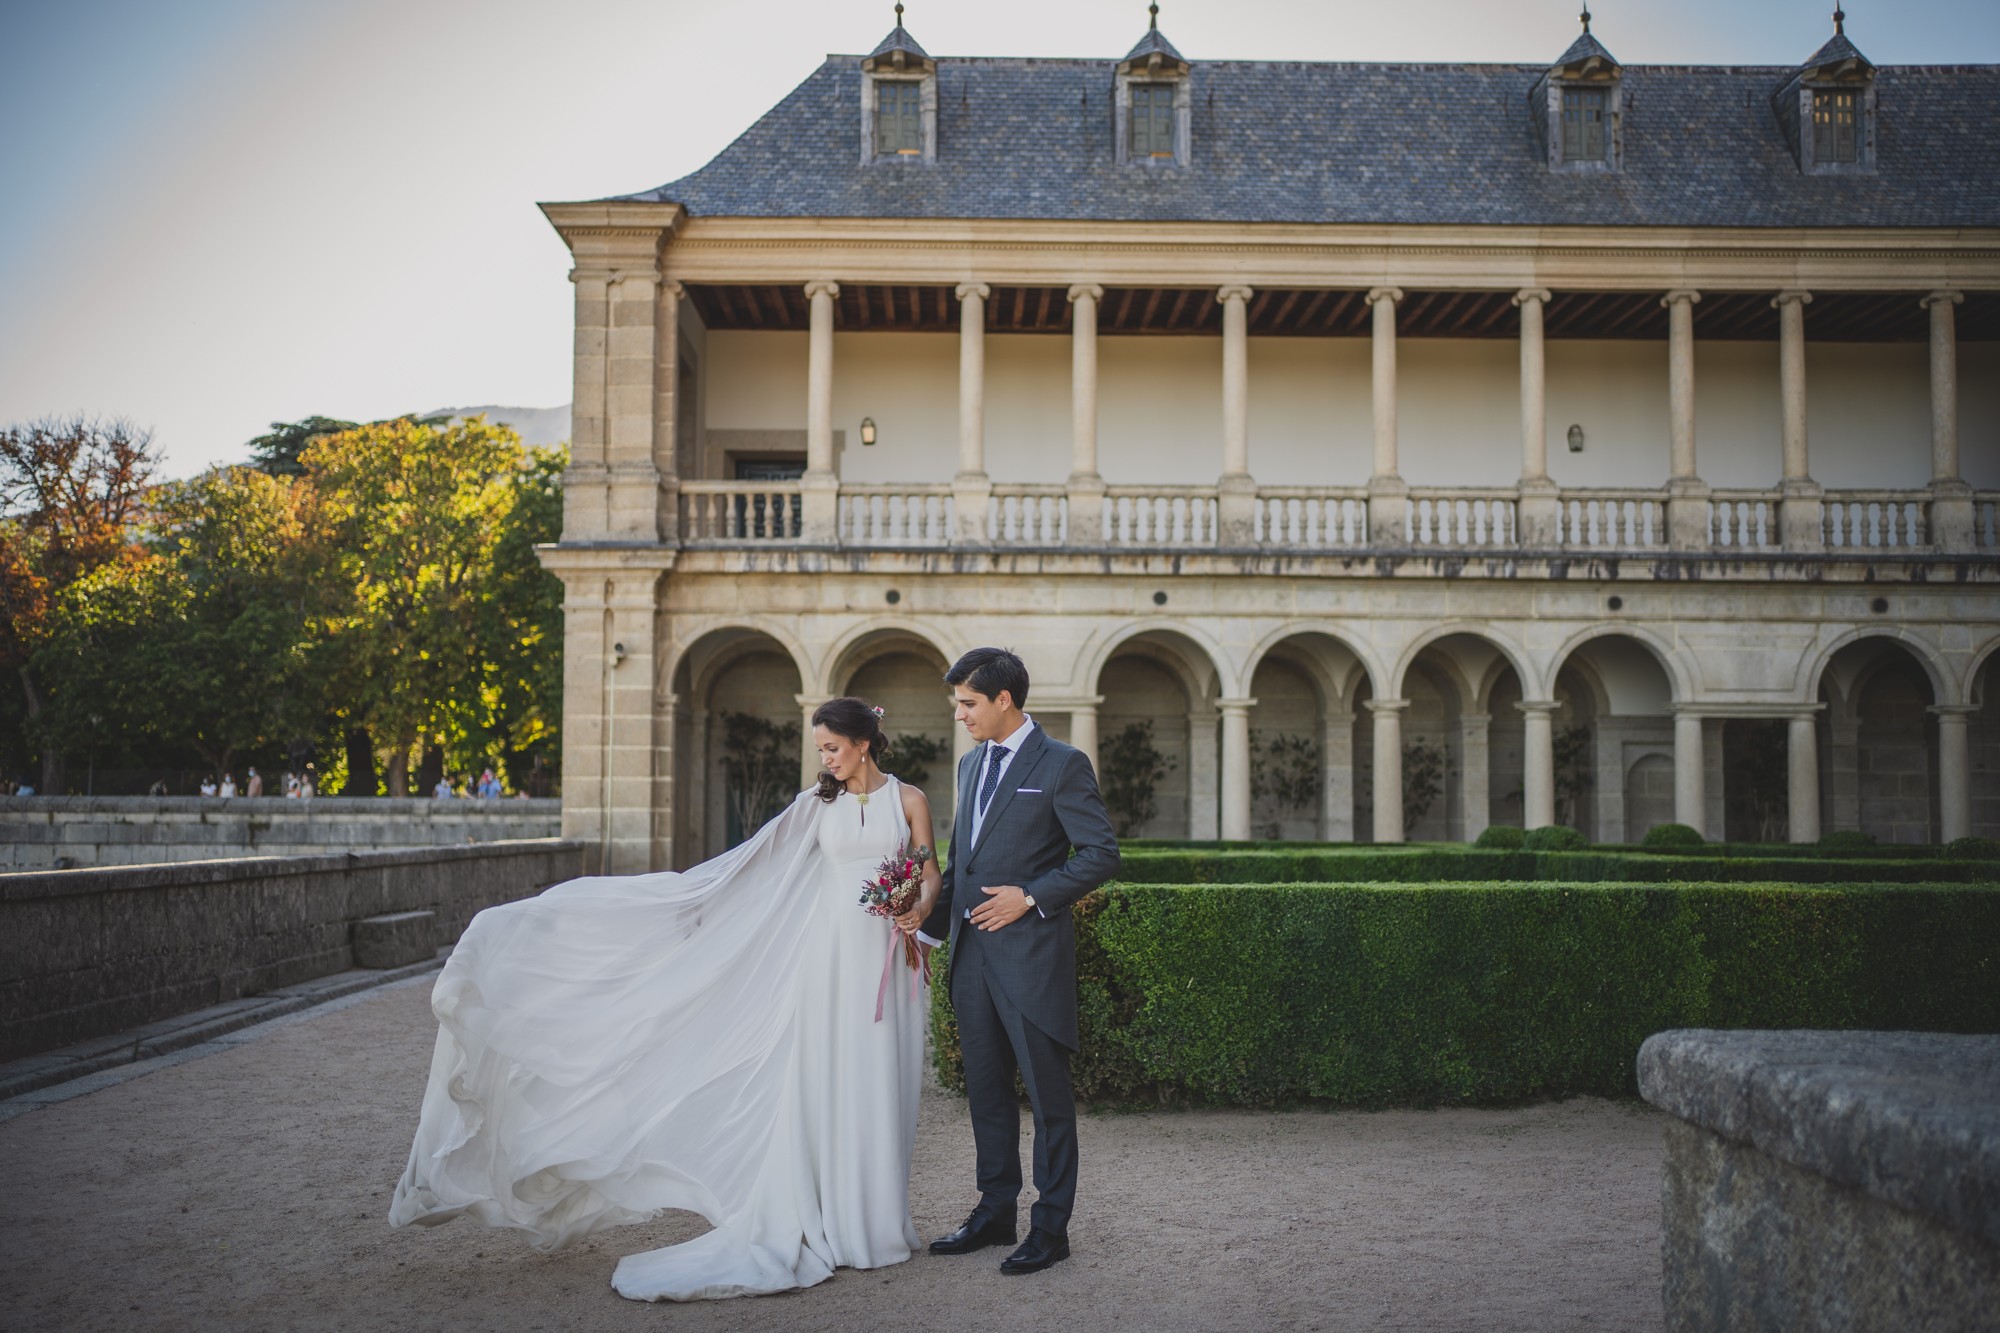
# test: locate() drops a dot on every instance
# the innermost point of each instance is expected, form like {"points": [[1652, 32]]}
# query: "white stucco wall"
{"points": [[1160, 414]]}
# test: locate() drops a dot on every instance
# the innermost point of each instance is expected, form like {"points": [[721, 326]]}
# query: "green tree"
{"points": [[278, 451], [521, 624], [1132, 770], [413, 516], [760, 770]]}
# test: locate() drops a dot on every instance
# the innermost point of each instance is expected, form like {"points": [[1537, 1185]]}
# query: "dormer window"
{"points": [[1577, 106], [1583, 125], [899, 117], [1835, 115], [898, 100], [1827, 109], [1152, 118], [1153, 103]]}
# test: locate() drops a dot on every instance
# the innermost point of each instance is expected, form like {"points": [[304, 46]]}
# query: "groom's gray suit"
{"points": [[1014, 990]]}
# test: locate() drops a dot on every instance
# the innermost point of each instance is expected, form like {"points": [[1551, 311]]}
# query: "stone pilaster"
{"points": [[1337, 775], [1802, 814], [1474, 781], [1954, 770], [1690, 771], [1204, 793], [666, 409]]}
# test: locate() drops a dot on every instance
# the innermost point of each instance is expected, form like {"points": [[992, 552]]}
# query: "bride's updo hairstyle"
{"points": [[856, 721]]}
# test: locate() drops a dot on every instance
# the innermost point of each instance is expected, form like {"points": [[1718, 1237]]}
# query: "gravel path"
{"points": [[247, 1190]]}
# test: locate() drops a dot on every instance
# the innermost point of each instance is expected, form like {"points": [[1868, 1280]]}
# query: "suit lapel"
{"points": [[1010, 782], [962, 829]]}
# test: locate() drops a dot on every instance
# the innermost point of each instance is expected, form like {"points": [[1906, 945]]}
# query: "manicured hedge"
{"points": [[1371, 995], [1439, 863], [1507, 836]]}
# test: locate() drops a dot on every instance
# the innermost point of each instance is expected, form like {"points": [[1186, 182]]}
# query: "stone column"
{"points": [[1536, 513], [1954, 771], [1687, 494], [666, 409], [1690, 759], [972, 489], [809, 765], [1475, 796], [587, 480], [665, 801], [1388, 494], [608, 618], [1388, 767], [1802, 519], [1083, 728], [1538, 762], [1085, 485], [1236, 491], [1204, 821], [1337, 775], [630, 357], [1951, 498], [1236, 768], [820, 487], [1802, 773]]}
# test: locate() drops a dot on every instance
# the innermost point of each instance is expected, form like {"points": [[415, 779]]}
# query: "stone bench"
{"points": [[395, 939], [1820, 1180]]}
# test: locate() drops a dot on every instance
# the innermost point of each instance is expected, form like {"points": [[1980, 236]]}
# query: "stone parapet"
{"points": [[85, 953], [60, 832], [1829, 1179]]}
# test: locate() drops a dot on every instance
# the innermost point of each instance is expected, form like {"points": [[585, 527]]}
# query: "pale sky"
{"points": [[219, 213]]}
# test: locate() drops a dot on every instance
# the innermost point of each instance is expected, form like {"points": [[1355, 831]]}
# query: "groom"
{"points": [[1030, 838]]}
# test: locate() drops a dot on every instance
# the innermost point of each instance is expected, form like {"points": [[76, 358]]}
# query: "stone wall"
{"points": [[61, 832], [1828, 1179], [85, 953]]}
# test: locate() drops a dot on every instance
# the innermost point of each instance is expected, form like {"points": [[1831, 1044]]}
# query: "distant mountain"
{"points": [[537, 425]]}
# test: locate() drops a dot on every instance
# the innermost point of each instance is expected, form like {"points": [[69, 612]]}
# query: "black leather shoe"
{"points": [[979, 1231], [1041, 1249]]}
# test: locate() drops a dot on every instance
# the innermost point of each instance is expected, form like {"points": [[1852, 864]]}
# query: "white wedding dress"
{"points": [[703, 1040]]}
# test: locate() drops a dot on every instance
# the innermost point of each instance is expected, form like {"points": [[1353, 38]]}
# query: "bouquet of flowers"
{"points": [[891, 891]]}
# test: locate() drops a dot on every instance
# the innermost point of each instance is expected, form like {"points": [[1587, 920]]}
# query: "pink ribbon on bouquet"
{"points": [[889, 961]]}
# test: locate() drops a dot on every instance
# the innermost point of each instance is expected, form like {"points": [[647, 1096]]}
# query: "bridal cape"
{"points": [[702, 1040]]}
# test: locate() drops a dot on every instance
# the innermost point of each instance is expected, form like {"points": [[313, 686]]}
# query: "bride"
{"points": [[729, 1040]]}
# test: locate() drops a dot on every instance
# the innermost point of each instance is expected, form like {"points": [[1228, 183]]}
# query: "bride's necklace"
{"points": [[861, 798]]}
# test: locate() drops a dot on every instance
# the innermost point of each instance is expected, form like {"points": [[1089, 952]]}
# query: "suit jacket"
{"points": [[1046, 830]]}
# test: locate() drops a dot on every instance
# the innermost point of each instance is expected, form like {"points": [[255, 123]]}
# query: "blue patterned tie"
{"points": [[998, 758]]}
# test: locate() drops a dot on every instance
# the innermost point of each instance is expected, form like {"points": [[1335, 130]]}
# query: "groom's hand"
{"points": [[1005, 904]]}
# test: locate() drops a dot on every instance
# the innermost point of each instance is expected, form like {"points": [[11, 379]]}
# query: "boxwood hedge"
{"points": [[1373, 995], [1450, 862]]}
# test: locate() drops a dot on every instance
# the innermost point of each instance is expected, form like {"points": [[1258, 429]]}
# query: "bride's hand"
{"points": [[913, 920]]}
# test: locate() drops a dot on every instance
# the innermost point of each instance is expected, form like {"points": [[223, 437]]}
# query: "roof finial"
{"points": [[1153, 24], [1839, 19], [1585, 16], [899, 13]]}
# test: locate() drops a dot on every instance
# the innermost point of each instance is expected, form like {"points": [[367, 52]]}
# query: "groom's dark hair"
{"points": [[989, 671]]}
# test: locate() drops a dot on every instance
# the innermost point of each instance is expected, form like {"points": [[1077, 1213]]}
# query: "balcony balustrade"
{"points": [[1306, 519]]}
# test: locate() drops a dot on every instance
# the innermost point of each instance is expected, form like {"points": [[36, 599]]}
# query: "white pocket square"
{"points": [[1028, 791]]}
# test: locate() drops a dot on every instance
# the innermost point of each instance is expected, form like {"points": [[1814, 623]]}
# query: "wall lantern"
{"points": [[1575, 439], [868, 430]]}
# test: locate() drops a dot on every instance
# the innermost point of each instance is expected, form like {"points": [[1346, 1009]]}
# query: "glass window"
{"points": [[899, 117], [1834, 115], [1152, 120], [1583, 125]]}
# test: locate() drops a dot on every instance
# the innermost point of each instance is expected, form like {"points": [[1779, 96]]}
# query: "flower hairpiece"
{"points": [[878, 711]]}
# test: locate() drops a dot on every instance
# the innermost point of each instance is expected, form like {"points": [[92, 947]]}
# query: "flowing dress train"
{"points": [[703, 1040]]}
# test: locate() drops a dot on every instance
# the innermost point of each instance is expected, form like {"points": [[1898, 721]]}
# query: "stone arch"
{"points": [[1295, 733], [899, 666], [1207, 653], [1971, 691], [722, 671], [1926, 653], [1631, 725], [874, 636], [688, 636], [1474, 629], [1878, 752], [1159, 682], [1680, 680], [1356, 644]]}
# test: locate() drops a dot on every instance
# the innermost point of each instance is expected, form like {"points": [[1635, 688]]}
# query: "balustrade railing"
{"points": [[915, 515], [1310, 518], [1743, 520], [1459, 518], [740, 511], [1986, 520], [1880, 520], [1611, 520], [1183, 516], [1028, 516]]}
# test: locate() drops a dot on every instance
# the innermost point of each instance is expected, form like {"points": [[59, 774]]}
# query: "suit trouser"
{"points": [[995, 1039]]}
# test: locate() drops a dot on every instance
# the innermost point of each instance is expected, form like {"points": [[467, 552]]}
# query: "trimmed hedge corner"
{"points": [[1371, 995]]}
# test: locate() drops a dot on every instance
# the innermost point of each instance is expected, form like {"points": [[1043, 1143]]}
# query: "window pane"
{"points": [[899, 120], [1152, 120], [1834, 121], [1582, 126]]}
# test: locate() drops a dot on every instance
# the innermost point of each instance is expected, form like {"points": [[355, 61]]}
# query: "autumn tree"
{"points": [[72, 491]]}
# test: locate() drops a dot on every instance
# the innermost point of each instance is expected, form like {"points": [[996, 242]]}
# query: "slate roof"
{"points": [[1361, 143], [1837, 49], [1154, 40], [1582, 49]]}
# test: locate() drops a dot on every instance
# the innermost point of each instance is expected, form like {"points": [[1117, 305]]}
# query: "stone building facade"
{"points": [[1620, 444]]}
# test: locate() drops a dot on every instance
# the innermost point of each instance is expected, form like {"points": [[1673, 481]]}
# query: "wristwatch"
{"points": [[1027, 900]]}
